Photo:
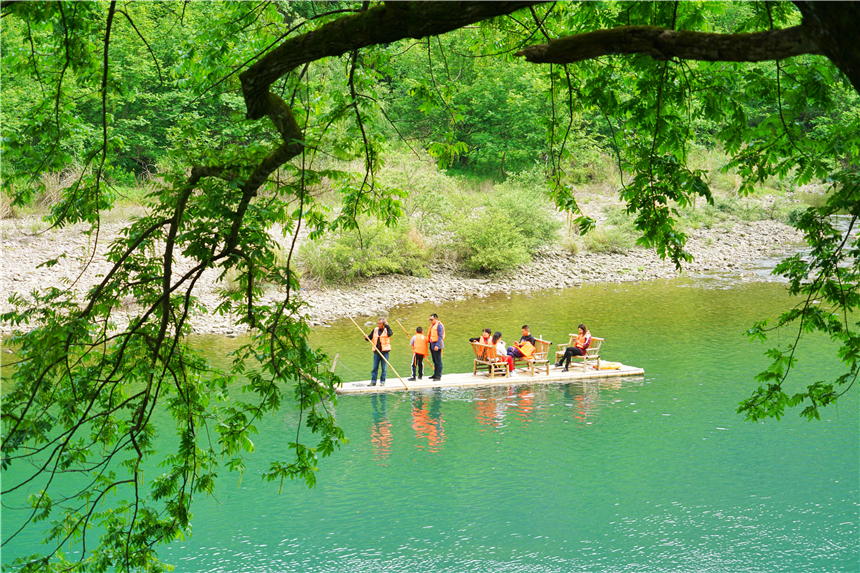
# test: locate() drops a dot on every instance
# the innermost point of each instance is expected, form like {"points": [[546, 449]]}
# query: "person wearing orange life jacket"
{"points": [[437, 343], [381, 338], [583, 341], [516, 350], [419, 351], [485, 338]]}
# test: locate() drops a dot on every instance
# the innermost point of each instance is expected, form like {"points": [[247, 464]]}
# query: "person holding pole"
{"points": [[381, 339], [419, 351], [436, 337]]}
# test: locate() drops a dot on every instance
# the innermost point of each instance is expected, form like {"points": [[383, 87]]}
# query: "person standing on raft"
{"points": [[381, 339], [437, 343], [583, 341], [419, 351]]}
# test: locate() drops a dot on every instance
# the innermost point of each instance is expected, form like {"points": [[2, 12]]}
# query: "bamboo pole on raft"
{"points": [[381, 355]]}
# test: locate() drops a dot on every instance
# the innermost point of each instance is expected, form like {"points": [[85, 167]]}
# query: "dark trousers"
{"points": [[515, 352], [570, 353], [377, 362], [418, 365], [437, 363]]}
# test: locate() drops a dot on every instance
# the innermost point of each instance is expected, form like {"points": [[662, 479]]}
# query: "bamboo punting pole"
{"points": [[401, 327]]}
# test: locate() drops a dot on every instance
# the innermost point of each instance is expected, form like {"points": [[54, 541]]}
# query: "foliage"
{"points": [[725, 209], [428, 205], [371, 250], [474, 113], [500, 229], [523, 198], [491, 241], [119, 88]]}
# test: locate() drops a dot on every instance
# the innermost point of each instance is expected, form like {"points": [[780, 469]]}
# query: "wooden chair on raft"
{"points": [[538, 359], [593, 352], [485, 358]]}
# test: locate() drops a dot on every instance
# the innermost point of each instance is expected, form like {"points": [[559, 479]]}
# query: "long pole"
{"points": [[381, 355], [401, 327]]}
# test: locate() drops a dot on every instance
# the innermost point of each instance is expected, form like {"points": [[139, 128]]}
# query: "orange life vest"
{"points": [[383, 337], [527, 349], [583, 341], [434, 331], [420, 345]]}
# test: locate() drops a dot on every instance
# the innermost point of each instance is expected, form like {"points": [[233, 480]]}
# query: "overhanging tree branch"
{"points": [[380, 25], [824, 30], [663, 44]]}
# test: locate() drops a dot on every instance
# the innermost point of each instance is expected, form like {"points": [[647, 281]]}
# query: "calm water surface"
{"points": [[647, 474]]}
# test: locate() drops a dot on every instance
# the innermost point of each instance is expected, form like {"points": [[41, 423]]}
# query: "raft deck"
{"points": [[466, 379]]}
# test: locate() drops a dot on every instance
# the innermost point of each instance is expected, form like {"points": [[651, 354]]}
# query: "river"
{"points": [[655, 473]]}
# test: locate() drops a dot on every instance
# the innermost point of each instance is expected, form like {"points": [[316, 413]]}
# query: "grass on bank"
{"points": [[479, 225]]}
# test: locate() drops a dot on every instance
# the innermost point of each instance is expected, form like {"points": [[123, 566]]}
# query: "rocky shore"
{"points": [[714, 250]]}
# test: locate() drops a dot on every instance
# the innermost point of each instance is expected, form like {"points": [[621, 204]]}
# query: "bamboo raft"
{"points": [[467, 379]]}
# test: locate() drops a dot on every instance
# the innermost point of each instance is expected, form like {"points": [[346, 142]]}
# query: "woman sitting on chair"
{"points": [[501, 353], [583, 341], [486, 337]]}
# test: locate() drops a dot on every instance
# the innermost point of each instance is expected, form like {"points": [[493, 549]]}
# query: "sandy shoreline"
{"points": [[713, 250]]}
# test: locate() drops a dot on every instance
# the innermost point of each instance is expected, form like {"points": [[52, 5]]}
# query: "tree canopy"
{"points": [[246, 106]]}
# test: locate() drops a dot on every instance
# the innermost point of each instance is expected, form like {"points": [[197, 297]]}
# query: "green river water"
{"points": [[655, 473]]}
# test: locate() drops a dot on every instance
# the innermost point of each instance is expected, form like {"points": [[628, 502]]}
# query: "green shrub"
{"points": [[491, 242], [427, 205], [586, 163], [732, 208], [376, 250], [498, 228], [524, 201]]}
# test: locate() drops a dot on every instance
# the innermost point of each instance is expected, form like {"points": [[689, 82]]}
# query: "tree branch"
{"points": [[381, 24], [830, 25], [663, 44]]}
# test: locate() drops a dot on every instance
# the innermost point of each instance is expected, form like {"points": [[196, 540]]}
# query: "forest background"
{"points": [[465, 137], [386, 151]]}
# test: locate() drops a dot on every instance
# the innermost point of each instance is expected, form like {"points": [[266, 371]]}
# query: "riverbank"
{"points": [[714, 250]]}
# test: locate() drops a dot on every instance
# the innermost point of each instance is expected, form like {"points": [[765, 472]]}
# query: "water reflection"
{"points": [[581, 399], [491, 407], [427, 421], [523, 403], [380, 428], [584, 400]]}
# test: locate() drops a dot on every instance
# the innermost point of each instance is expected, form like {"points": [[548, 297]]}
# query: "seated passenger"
{"points": [[501, 352], [583, 341], [525, 347], [486, 337]]}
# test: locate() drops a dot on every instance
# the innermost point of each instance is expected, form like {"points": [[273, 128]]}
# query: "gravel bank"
{"points": [[714, 250]]}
